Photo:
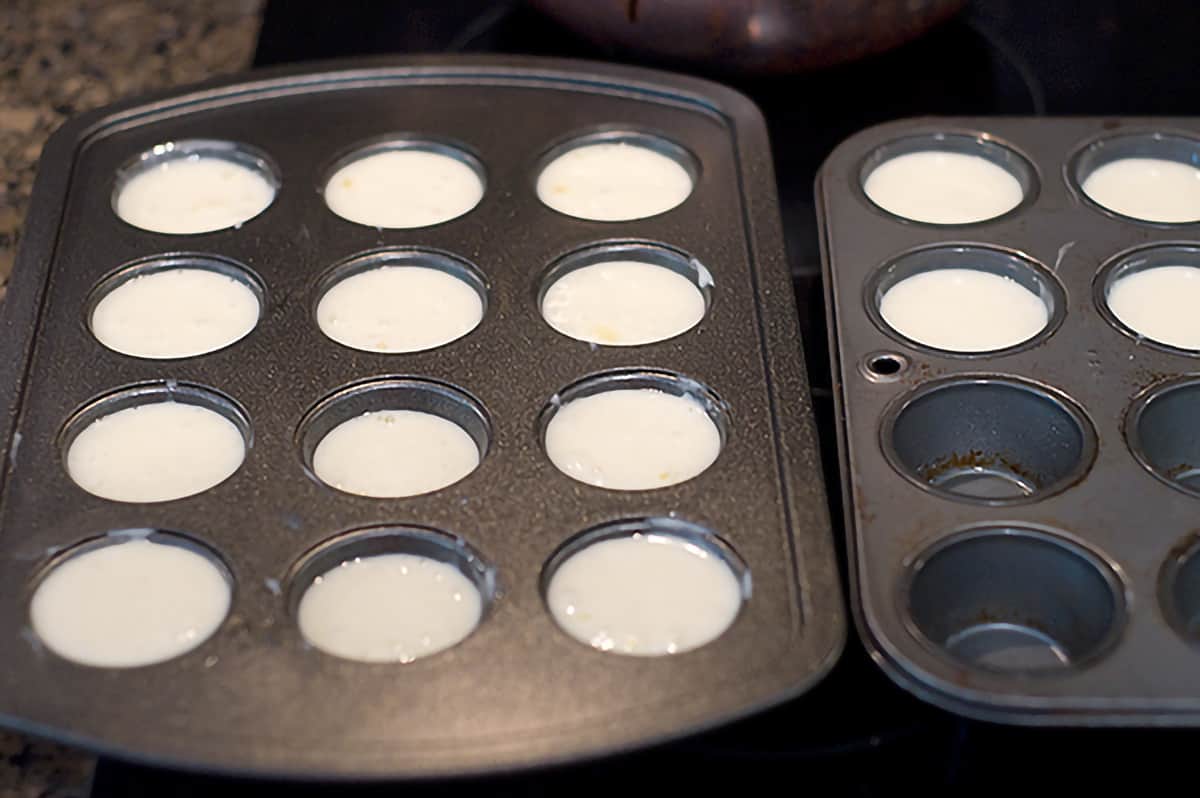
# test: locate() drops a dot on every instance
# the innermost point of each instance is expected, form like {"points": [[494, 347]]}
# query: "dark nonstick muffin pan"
{"points": [[1021, 522], [518, 692]]}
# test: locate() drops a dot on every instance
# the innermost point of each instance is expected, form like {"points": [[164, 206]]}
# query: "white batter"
{"points": [[1162, 303], [632, 439], [645, 595], [963, 310], [943, 187], [399, 309], [1153, 189], [129, 604], [397, 189], [155, 452], [623, 303], [195, 194], [175, 313], [613, 182], [389, 608], [393, 453]]}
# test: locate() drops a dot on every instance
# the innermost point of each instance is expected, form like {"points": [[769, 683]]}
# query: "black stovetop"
{"points": [[855, 733]]}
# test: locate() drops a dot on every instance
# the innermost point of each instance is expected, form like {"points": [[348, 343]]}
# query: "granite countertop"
{"points": [[58, 58]]}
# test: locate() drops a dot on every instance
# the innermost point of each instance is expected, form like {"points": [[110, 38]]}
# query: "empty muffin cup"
{"points": [[634, 430], [947, 178], [175, 306], [1179, 589], [990, 440], [392, 438], [195, 186], [400, 300], [646, 587], [625, 294], [1152, 294], [616, 176], [390, 594], [402, 182], [1148, 177], [1014, 599], [965, 299], [1162, 433], [131, 598], [155, 442]]}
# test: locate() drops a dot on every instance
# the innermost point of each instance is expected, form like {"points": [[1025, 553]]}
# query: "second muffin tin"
{"points": [[1022, 522], [518, 691]]}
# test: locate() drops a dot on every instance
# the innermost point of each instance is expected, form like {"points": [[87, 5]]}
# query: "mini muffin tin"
{"points": [[518, 692], [1021, 523]]}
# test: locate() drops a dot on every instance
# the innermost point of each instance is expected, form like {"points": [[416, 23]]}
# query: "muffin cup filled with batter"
{"points": [[646, 587], [1146, 177], [625, 294], [155, 442], [616, 176], [1152, 294], [131, 598], [400, 300], [195, 186], [175, 306], [634, 430], [404, 181], [394, 437], [390, 594], [947, 179], [965, 299]]}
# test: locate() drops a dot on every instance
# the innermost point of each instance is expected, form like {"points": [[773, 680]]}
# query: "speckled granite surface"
{"points": [[60, 57], [57, 58]]}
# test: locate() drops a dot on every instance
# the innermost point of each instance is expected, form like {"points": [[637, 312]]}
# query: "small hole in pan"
{"points": [[1015, 599], [884, 366]]}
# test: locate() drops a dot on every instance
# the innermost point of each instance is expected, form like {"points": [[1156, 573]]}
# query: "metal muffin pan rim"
{"points": [[167, 261], [1110, 571], [896, 407], [254, 158], [872, 294], [674, 526], [1072, 159], [1118, 266], [389, 538], [934, 133], [1180, 557], [169, 537], [402, 141], [654, 253], [609, 133]]}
